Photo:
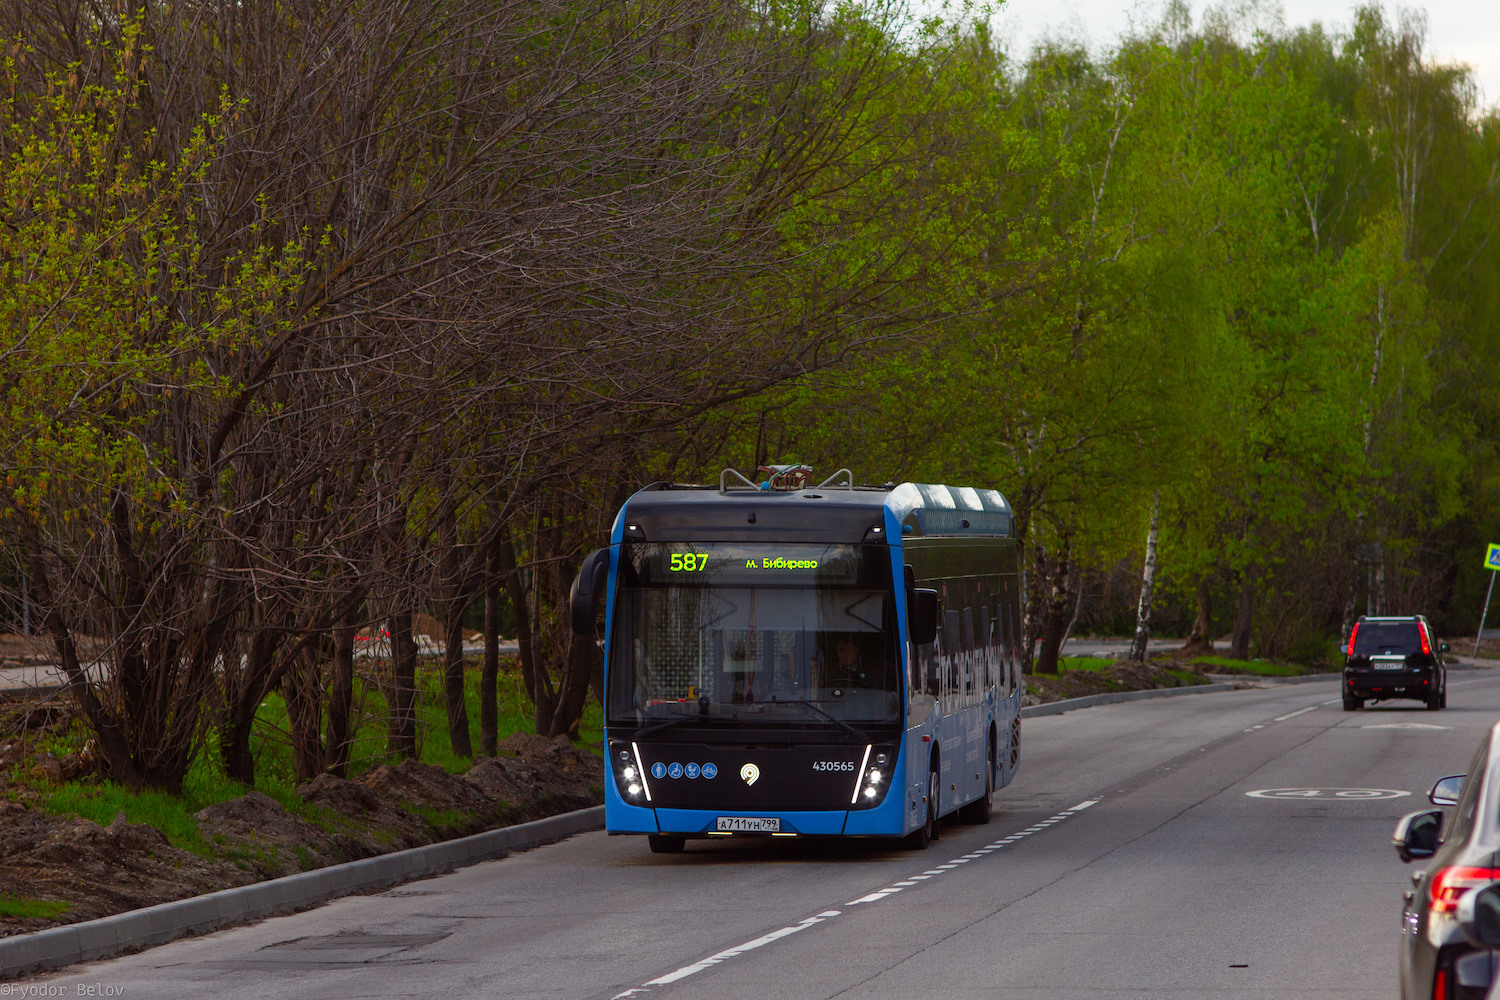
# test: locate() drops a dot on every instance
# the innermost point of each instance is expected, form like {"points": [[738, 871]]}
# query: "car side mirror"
{"points": [[923, 613], [1446, 791], [588, 592], [1479, 916], [1416, 835]]}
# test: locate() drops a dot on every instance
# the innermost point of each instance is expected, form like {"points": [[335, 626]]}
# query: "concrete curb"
{"points": [[59, 946], [1272, 681], [1114, 697]]}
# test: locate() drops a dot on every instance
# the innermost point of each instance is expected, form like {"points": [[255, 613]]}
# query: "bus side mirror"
{"points": [[588, 591], [923, 612]]}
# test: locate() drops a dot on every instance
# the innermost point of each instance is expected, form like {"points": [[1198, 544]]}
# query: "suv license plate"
{"points": [[748, 824], [1388, 664]]}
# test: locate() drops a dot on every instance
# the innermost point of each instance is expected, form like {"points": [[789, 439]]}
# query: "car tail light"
{"points": [[1352, 633], [1426, 645], [1440, 985], [1449, 885]]}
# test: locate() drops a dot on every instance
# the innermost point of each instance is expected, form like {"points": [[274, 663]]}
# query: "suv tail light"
{"points": [[1426, 645], [1352, 633], [1449, 884]]}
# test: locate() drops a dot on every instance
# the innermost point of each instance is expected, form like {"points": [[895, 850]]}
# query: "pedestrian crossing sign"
{"points": [[1492, 557]]}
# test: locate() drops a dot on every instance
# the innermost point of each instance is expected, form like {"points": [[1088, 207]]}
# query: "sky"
{"points": [[1465, 31]]}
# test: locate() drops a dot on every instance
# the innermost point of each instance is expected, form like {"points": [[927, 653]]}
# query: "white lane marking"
{"points": [[1293, 715], [1254, 728], [873, 897], [728, 953], [1333, 702], [1403, 725]]}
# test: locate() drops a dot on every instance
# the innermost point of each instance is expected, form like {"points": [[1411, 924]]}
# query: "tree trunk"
{"points": [[112, 741], [453, 682], [1056, 607], [1239, 647], [583, 656], [455, 601], [341, 697], [1200, 642], [239, 710], [1148, 582], [1031, 609], [488, 701], [401, 721], [533, 674], [303, 688]]}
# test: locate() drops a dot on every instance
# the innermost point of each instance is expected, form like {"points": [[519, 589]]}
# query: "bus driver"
{"points": [[850, 669]]}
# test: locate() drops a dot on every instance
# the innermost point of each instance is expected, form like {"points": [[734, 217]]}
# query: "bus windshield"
{"points": [[754, 633]]}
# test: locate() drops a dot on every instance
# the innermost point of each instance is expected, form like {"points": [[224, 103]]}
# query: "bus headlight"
{"points": [[871, 788], [630, 777]]}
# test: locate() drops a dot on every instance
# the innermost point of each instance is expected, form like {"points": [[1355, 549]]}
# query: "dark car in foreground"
{"points": [[1394, 657], [1438, 961]]}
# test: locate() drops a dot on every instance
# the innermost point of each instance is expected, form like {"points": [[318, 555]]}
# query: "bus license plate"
{"points": [[748, 824]]}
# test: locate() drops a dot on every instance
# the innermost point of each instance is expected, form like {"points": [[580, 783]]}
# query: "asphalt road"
{"points": [[1127, 860]]}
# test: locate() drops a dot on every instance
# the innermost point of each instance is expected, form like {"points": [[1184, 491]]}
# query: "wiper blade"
{"points": [[678, 718], [826, 715]]}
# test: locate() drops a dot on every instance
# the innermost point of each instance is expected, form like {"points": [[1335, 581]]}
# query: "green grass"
{"points": [[206, 783], [1263, 668], [25, 906], [1187, 678], [1084, 663]]}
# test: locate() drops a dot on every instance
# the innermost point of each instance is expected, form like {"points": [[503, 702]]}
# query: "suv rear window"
{"points": [[1387, 637]]}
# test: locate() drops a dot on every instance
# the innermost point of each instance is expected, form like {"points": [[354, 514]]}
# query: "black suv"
{"points": [[1394, 658]]}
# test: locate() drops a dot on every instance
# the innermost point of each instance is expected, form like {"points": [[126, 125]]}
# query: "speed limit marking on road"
{"points": [[1327, 794]]}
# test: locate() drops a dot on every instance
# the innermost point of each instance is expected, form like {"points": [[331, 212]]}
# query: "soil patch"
{"points": [[95, 871], [1121, 675]]}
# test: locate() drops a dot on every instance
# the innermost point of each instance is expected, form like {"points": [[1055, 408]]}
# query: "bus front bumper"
{"points": [[884, 820]]}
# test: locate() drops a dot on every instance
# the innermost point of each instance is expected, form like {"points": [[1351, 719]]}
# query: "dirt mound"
{"points": [[1122, 675], [570, 777], [96, 871], [257, 832], [361, 822], [452, 806]]}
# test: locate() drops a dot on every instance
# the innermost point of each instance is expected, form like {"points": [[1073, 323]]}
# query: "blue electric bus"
{"points": [[792, 660]]}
